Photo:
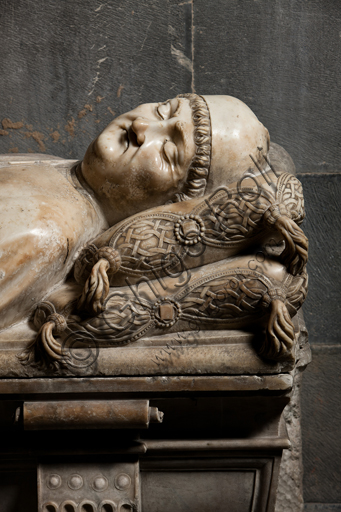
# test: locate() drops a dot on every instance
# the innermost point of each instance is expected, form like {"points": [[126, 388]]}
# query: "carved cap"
{"points": [[236, 134]]}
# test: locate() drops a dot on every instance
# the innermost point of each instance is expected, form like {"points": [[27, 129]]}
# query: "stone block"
{"points": [[322, 310], [321, 420], [69, 67], [281, 59]]}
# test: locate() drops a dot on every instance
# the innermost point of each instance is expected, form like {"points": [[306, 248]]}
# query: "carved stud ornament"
{"points": [[94, 488]]}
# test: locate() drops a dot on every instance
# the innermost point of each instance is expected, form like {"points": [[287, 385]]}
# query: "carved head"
{"points": [[142, 158], [179, 149]]}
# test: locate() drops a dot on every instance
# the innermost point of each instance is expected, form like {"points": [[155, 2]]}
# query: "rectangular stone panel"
{"points": [[198, 491], [236, 485]]}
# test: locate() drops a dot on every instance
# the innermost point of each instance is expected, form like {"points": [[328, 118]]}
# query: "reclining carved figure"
{"points": [[179, 212]]}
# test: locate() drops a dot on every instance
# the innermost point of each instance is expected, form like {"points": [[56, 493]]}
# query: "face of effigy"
{"points": [[141, 159], [145, 158]]}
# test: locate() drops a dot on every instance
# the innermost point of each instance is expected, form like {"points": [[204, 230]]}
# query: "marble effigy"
{"points": [[163, 273], [180, 218]]}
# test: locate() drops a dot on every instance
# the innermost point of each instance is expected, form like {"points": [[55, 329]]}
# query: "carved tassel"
{"points": [[295, 254], [49, 322], [97, 285], [280, 333], [58, 324]]}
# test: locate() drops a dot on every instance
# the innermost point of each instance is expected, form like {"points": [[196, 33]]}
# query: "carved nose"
{"points": [[139, 127]]}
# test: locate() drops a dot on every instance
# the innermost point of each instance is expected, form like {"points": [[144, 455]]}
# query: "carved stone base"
{"points": [[97, 444]]}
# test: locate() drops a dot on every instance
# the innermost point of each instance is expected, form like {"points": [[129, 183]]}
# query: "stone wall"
{"points": [[68, 67]]}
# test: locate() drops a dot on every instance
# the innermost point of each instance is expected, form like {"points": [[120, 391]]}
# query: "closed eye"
{"points": [[170, 152], [164, 110]]}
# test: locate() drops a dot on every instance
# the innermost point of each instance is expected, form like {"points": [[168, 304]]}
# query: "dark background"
{"points": [[69, 66]]}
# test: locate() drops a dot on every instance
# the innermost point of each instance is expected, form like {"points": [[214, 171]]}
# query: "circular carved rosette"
{"points": [[166, 312], [189, 230]]}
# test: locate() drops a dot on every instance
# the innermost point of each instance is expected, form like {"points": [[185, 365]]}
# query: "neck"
{"points": [[83, 188]]}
